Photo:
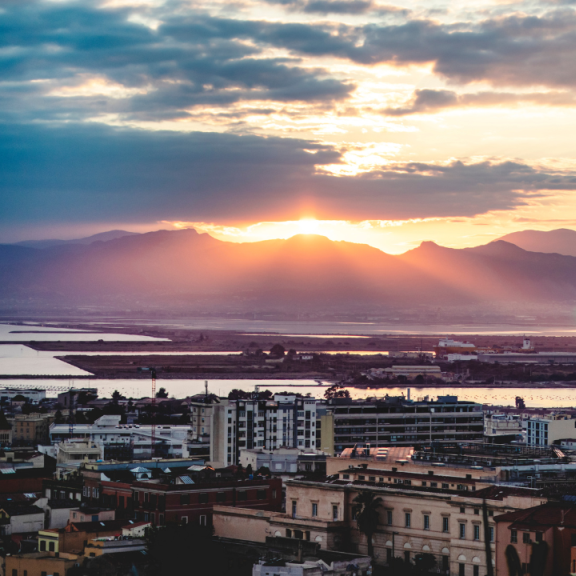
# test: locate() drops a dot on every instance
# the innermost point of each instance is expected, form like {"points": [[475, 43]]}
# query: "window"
{"points": [[14, 572], [407, 519], [220, 496], [476, 571], [202, 520], [294, 508], [42, 545], [526, 537], [445, 563], [539, 537], [203, 498], [426, 522], [462, 509], [514, 536], [335, 513], [461, 569], [476, 532], [51, 546], [407, 557], [184, 499], [573, 543], [243, 495], [476, 511], [445, 526], [288, 533], [314, 509], [184, 520], [462, 531], [389, 517], [261, 494]]}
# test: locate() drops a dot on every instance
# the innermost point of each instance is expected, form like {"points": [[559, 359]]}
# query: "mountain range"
{"points": [[175, 267], [561, 241]]}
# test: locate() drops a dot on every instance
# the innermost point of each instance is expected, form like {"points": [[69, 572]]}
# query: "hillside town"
{"points": [[284, 484]]}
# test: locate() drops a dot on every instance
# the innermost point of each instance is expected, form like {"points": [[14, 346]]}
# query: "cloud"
{"points": [[93, 172], [427, 101]]}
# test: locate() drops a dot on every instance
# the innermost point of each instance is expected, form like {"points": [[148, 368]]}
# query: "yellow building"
{"points": [[40, 564]]}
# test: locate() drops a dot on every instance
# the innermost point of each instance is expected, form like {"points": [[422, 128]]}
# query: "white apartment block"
{"points": [[284, 422], [545, 431]]}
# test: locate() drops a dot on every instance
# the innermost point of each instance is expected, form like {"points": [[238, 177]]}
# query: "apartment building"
{"points": [[397, 421], [286, 421], [30, 429], [548, 430]]}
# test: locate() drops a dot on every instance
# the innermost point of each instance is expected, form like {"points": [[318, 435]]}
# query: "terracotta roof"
{"points": [[545, 516]]}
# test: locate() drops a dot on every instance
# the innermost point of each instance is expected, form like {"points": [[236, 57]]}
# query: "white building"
{"points": [[545, 431], [109, 433], [286, 421]]}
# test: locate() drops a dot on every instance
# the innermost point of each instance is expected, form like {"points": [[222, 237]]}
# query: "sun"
{"points": [[308, 226]]}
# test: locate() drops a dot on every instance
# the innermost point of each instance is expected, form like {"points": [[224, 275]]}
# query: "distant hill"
{"points": [[101, 237], [305, 272], [561, 241]]}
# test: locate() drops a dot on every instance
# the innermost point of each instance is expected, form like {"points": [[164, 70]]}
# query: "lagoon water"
{"points": [[534, 398], [30, 332]]}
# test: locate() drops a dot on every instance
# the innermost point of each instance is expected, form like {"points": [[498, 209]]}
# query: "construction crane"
{"points": [[71, 414], [153, 415]]}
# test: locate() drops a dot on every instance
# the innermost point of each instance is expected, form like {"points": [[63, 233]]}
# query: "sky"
{"points": [[387, 123]]}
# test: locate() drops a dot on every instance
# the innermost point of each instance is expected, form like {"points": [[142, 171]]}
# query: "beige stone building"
{"points": [[31, 429], [419, 513]]}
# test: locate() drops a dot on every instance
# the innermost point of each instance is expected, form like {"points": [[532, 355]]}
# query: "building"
{"points": [[283, 461], [541, 540], [339, 567], [40, 564], [549, 430], [56, 512], [502, 428], [409, 372], [284, 422], [5, 431], [414, 518], [133, 441], [397, 421], [551, 358], [30, 429], [100, 546], [78, 451], [190, 502], [72, 538], [20, 518], [92, 514], [75, 396]]}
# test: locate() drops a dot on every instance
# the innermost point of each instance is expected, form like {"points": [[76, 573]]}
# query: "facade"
{"points": [[544, 536], [502, 427], [56, 512], [133, 441], [193, 503], [40, 564], [20, 519], [91, 514], [413, 518], [285, 422], [284, 461], [31, 429], [397, 421], [78, 451], [547, 431], [200, 420]]}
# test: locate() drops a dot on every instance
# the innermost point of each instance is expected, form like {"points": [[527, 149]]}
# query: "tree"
{"points": [[116, 397], [58, 418], [277, 350], [162, 393], [336, 391], [513, 561], [365, 511], [424, 562]]}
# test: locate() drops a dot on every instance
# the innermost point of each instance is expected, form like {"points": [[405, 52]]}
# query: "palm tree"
{"points": [[366, 514]]}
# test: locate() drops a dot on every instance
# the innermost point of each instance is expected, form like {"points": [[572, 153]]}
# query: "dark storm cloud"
{"points": [[94, 172]]}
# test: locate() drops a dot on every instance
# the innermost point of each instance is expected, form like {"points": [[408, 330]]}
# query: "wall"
{"points": [[38, 563]]}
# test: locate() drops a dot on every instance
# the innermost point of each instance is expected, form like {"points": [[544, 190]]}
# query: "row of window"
{"points": [[445, 525]]}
